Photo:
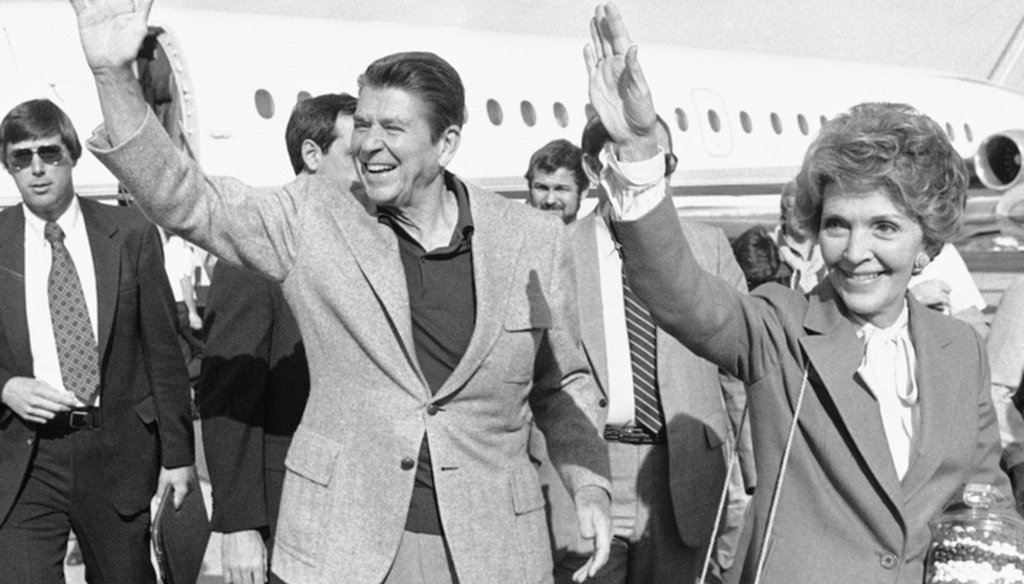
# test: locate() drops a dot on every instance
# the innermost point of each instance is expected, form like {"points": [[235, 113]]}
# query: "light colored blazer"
{"points": [[349, 473], [844, 516], [698, 425]]}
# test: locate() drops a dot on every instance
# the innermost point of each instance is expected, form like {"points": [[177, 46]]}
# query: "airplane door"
{"points": [[167, 88], [715, 125]]}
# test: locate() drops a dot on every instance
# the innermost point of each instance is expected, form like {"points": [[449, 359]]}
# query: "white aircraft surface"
{"points": [[226, 83]]}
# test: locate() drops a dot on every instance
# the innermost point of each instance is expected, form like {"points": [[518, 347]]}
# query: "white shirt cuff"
{"points": [[634, 188]]}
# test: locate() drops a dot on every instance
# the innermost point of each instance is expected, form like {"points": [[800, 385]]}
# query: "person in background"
{"points": [[758, 257], [798, 247], [556, 180], [1006, 356], [665, 419], [255, 381]]}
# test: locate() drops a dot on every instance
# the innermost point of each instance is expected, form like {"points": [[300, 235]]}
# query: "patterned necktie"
{"points": [[72, 329], [643, 356]]}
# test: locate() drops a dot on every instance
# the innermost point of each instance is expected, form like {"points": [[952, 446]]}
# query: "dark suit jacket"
{"points": [[844, 516], [251, 396], [144, 390]]}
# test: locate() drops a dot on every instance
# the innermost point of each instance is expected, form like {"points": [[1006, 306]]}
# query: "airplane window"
{"points": [[716, 123], [745, 122], [561, 114], [302, 96], [588, 111], [776, 123], [529, 114], [949, 131], [264, 104], [681, 120], [968, 133], [802, 122], [494, 112]]}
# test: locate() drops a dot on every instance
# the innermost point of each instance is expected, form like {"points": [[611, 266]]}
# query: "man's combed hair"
{"points": [[314, 119], [430, 78], [895, 149], [35, 119], [556, 154]]}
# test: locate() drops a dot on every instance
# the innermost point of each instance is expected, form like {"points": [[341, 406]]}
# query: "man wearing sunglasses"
{"points": [[666, 423], [95, 414]]}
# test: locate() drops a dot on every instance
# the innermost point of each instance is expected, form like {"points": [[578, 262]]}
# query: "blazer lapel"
{"points": [[835, 352], [583, 237], [106, 261], [937, 406], [12, 286], [374, 247], [495, 251]]}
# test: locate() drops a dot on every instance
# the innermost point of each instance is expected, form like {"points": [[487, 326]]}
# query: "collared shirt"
{"points": [[38, 257], [889, 369], [442, 305], [807, 271], [620, 368]]}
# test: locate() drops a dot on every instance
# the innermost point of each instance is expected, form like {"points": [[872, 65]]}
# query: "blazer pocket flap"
{"points": [[312, 456], [146, 409], [533, 314], [526, 492]]}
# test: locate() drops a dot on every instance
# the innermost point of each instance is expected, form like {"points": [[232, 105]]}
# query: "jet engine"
{"points": [[998, 161]]}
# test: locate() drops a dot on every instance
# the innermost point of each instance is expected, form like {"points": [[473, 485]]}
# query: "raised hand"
{"points": [[111, 30], [618, 90]]}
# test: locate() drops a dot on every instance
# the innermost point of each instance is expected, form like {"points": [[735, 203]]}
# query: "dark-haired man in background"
{"points": [[556, 179], [95, 418], [255, 381], [436, 327]]}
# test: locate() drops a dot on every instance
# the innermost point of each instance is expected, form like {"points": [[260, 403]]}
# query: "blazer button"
{"points": [[888, 561], [408, 463], [603, 403], [432, 409]]}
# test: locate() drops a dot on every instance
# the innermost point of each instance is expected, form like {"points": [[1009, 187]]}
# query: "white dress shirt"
{"points": [[616, 340], [38, 256]]}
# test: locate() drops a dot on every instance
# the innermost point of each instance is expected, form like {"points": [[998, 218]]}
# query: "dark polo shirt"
{"points": [[442, 303]]}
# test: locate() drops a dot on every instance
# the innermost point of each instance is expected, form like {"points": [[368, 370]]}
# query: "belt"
{"points": [[633, 435], [75, 419]]}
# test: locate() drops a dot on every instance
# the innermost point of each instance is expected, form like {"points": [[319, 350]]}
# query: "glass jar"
{"points": [[981, 542]]}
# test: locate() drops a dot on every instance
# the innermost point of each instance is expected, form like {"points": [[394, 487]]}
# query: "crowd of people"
{"points": [[408, 379]]}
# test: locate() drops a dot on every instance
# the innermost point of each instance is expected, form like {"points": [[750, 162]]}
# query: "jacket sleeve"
{"points": [[231, 395], [168, 374], [234, 221], [565, 398], [1006, 356]]}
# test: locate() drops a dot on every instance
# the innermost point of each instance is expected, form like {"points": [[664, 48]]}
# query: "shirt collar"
{"points": [[68, 221], [463, 224], [900, 327]]}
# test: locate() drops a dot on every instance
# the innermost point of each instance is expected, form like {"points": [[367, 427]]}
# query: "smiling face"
{"points": [[870, 247], [46, 189], [395, 155], [556, 192]]}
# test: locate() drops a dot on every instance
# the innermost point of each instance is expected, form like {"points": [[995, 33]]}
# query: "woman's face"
{"points": [[870, 246]]}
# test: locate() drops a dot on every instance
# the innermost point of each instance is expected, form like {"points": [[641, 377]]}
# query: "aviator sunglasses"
{"points": [[52, 154]]}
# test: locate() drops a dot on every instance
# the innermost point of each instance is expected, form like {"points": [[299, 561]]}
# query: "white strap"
{"points": [[776, 494], [723, 499]]}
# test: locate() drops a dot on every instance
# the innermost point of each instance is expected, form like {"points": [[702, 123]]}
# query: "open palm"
{"points": [[112, 30]]}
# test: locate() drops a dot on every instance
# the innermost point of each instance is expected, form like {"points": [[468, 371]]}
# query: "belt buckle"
{"points": [[632, 435], [78, 419]]}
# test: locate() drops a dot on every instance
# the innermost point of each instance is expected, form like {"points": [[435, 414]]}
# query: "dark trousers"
{"points": [[34, 538]]}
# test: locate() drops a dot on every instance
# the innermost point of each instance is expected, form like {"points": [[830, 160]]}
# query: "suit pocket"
{"points": [[312, 456], [307, 512], [530, 520], [146, 410], [524, 328]]}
